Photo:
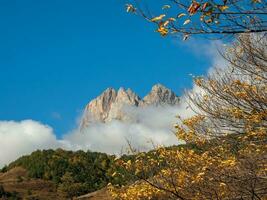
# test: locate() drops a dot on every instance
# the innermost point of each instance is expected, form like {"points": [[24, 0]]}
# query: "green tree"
{"points": [[69, 187]]}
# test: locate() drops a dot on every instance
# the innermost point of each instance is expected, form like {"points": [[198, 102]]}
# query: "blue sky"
{"points": [[56, 55]]}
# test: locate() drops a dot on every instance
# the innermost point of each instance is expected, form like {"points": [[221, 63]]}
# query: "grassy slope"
{"points": [[17, 180]]}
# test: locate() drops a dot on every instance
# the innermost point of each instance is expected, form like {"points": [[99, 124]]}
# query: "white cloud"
{"points": [[20, 138], [206, 49], [149, 124]]}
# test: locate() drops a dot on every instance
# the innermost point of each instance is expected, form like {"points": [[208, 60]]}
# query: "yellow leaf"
{"points": [[223, 8], [187, 21], [176, 126], [166, 23], [172, 19], [116, 158], [163, 31], [222, 184], [208, 13], [130, 8], [158, 18], [137, 172], [114, 174], [181, 15], [166, 7]]}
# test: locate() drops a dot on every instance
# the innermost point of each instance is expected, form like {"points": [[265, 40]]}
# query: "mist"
{"points": [[150, 126]]}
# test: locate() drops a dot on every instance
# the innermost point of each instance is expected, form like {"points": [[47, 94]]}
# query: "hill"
{"points": [[16, 184], [59, 173]]}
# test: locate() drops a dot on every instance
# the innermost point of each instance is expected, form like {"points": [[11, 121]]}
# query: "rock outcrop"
{"points": [[112, 104], [160, 95]]}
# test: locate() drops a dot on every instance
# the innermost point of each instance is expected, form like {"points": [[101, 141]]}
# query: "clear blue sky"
{"points": [[56, 55]]}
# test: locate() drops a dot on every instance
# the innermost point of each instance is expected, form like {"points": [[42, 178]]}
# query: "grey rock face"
{"points": [[111, 104], [160, 95]]}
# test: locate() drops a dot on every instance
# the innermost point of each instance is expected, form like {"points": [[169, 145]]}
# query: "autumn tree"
{"points": [[198, 17], [233, 99], [225, 156], [73, 173], [69, 187]]}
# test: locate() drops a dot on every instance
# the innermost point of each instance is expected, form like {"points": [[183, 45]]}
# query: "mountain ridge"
{"points": [[111, 104]]}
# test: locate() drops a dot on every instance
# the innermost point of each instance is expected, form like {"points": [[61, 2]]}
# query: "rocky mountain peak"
{"points": [[160, 95], [158, 86], [110, 105], [127, 97]]}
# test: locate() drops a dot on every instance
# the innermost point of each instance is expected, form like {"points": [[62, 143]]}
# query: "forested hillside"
{"points": [[73, 173]]}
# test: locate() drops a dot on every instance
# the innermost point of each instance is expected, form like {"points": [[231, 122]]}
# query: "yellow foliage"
{"points": [[158, 18], [226, 150]]}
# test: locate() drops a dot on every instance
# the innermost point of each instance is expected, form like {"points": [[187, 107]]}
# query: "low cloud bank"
{"points": [[149, 126]]}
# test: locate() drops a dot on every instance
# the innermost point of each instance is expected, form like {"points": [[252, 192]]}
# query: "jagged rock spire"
{"points": [[110, 105], [160, 95]]}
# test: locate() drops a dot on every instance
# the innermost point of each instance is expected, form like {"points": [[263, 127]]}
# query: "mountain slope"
{"points": [[16, 184]]}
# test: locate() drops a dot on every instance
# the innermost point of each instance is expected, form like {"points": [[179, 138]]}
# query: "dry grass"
{"points": [[17, 180]]}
